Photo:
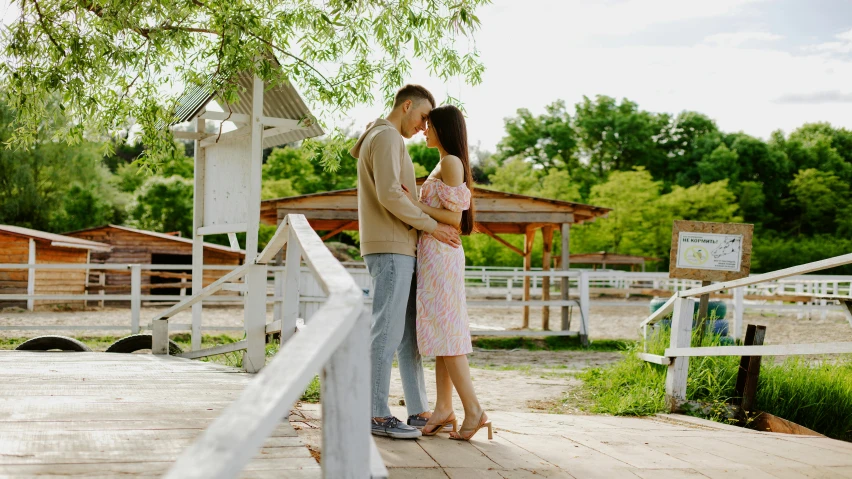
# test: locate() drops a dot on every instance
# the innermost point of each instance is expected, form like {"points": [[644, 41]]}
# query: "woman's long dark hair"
{"points": [[448, 123]]}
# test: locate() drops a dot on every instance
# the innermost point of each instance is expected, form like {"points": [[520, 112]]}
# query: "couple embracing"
{"points": [[413, 252]]}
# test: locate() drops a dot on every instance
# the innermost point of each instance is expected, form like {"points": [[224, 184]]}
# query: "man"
{"points": [[388, 224]]}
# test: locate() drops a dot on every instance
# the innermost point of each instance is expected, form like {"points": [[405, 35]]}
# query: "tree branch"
{"points": [[46, 30]]}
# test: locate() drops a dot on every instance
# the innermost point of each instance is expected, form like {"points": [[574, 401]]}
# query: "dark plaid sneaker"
{"points": [[419, 421], [393, 427]]}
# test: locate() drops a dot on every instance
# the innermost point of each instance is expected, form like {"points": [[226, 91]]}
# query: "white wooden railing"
{"points": [[681, 305], [335, 344]]}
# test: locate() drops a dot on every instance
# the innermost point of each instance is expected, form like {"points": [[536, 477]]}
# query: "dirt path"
{"points": [[606, 322]]}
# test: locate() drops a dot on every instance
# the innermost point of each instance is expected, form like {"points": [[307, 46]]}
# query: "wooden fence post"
{"points": [[290, 309], [564, 265], [584, 307], [749, 372], [160, 336], [739, 311], [547, 235], [345, 383], [681, 337], [255, 318], [135, 297]]}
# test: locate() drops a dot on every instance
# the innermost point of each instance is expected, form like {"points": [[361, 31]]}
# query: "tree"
{"points": [[820, 196], [516, 176], [424, 156], [109, 62], [547, 140], [686, 139], [632, 195], [720, 165], [618, 137], [163, 205]]}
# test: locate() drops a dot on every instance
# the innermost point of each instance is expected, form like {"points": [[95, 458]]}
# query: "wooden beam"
{"points": [[483, 229], [189, 135], [280, 122], [528, 243], [213, 139], [225, 116], [222, 229], [339, 229], [547, 235]]}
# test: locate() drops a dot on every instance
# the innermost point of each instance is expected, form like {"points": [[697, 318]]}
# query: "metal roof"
{"points": [[280, 101], [163, 236], [60, 241]]}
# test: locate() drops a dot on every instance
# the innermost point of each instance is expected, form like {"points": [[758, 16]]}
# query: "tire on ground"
{"points": [[139, 342], [52, 343]]}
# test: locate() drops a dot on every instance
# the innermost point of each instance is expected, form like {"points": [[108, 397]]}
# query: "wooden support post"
{"points": [[254, 311], [547, 235], [135, 297], [679, 368], [345, 383], [565, 264], [197, 239], [160, 336], [749, 372], [31, 273], [528, 243]]}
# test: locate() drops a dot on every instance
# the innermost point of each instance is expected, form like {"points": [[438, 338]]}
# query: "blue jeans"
{"points": [[394, 330]]}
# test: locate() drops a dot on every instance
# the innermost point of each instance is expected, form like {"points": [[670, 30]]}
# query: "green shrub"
{"points": [[816, 394]]}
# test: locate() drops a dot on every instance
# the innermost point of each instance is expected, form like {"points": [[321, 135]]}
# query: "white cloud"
{"points": [[844, 45], [739, 38]]}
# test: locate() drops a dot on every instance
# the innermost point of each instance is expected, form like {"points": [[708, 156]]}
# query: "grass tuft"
{"points": [[816, 394]]}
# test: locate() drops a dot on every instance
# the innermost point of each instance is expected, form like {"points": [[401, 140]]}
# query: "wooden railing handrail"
{"points": [[771, 276], [335, 341]]}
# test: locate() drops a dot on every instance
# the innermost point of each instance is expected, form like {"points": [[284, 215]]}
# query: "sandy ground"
{"points": [[606, 322]]}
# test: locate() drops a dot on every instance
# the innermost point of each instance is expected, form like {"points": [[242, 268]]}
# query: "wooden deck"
{"points": [[534, 445], [110, 415]]}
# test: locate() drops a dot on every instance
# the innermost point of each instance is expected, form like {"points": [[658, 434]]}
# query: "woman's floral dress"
{"points": [[442, 321]]}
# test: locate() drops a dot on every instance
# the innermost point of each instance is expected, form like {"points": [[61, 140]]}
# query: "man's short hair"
{"points": [[415, 93]]}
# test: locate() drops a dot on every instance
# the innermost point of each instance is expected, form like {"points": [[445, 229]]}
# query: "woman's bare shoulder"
{"points": [[452, 170]]}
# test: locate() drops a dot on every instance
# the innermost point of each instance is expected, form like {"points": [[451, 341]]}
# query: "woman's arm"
{"points": [[441, 215]]}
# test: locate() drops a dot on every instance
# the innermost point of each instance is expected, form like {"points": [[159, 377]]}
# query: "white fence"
{"points": [[802, 294], [681, 305]]}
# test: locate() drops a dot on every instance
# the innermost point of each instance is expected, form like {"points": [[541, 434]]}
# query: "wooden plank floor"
{"points": [[535, 445], [109, 415]]}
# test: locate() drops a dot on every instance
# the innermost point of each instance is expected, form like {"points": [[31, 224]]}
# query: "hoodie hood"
{"points": [[356, 150]]}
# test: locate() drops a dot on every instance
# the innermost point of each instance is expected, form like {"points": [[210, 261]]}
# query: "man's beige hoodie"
{"points": [[387, 220]]}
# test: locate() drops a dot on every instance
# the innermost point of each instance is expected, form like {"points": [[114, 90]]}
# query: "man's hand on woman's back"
{"points": [[447, 234]]}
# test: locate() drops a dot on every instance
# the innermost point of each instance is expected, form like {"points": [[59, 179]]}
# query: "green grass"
{"points": [[815, 394], [550, 343]]}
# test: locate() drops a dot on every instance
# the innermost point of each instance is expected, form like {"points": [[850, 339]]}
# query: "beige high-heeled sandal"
{"points": [[440, 427], [483, 422]]}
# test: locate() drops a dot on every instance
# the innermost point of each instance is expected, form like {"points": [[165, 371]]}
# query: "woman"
{"points": [[442, 321]]}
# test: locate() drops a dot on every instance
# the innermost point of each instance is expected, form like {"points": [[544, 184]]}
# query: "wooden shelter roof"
{"points": [[603, 257], [179, 239], [279, 101], [496, 211], [59, 241]]}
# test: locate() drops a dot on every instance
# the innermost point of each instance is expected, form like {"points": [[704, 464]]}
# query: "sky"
{"points": [[752, 65]]}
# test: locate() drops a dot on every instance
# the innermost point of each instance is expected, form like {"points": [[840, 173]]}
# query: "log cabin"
{"points": [[20, 245], [135, 246]]}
